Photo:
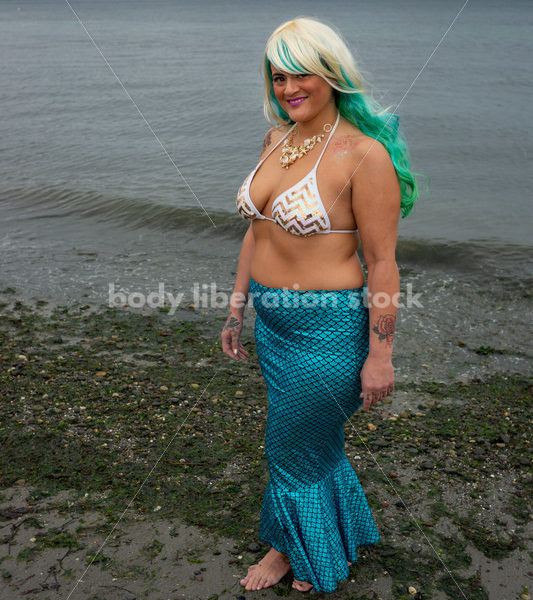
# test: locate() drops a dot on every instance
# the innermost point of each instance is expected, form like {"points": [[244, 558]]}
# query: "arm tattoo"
{"points": [[268, 139], [233, 322], [385, 327]]}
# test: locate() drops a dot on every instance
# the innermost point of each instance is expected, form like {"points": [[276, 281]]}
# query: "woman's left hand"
{"points": [[377, 381]]}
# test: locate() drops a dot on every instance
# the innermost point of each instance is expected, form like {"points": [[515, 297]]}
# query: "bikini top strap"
{"points": [[329, 138], [276, 145]]}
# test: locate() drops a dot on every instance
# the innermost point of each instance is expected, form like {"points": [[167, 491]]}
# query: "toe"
{"points": [[251, 584], [246, 579], [302, 586]]}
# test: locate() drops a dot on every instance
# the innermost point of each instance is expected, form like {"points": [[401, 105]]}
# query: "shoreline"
{"points": [[446, 465]]}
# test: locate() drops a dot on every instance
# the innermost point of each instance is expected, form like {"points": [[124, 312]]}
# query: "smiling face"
{"points": [[302, 96]]}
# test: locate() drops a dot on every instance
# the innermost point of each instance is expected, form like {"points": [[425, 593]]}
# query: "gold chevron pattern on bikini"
{"points": [[242, 205], [299, 211]]}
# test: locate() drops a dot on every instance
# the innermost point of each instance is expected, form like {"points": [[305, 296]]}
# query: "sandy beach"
{"points": [[132, 466]]}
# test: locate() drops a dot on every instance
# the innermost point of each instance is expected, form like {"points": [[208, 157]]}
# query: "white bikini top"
{"points": [[299, 210]]}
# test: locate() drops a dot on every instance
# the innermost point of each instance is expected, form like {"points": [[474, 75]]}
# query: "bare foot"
{"points": [[267, 571], [304, 586], [301, 586]]}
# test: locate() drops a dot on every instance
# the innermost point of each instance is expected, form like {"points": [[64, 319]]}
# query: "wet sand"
{"points": [[132, 466]]}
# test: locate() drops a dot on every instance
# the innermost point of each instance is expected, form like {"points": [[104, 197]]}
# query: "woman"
{"points": [[334, 165]]}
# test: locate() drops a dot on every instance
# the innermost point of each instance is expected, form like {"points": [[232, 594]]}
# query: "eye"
{"points": [[277, 78]]}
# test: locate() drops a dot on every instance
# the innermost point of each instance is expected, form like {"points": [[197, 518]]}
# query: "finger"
{"points": [[375, 397], [226, 347], [367, 401], [235, 344]]}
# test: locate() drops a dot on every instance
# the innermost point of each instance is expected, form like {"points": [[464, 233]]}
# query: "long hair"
{"points": [[306, 45]]}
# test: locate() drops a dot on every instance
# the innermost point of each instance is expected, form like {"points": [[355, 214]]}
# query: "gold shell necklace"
{"points": [[290, 154]]}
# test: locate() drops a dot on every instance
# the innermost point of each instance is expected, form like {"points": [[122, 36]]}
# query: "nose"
{"points": [[291, 86]]}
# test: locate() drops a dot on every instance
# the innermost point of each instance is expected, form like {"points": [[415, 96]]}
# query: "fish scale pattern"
{"points": [[311, 346]]}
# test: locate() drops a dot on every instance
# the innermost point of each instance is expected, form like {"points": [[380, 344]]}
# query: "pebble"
{"points": [[380, 443], [254, 547]]}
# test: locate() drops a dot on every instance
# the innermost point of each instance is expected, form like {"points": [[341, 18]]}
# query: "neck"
{"points": [[315, 126]]}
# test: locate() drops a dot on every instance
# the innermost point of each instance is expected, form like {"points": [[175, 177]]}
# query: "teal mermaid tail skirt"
{"points": [[311, 346]]}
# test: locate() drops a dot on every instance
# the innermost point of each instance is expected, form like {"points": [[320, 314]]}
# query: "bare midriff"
{"points": [[318, 262]]}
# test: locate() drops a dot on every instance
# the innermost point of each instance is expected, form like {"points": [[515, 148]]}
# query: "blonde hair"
{"points": [[306, 45]]}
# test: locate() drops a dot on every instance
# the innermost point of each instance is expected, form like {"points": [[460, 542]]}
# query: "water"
{"points": [[90, 197]]}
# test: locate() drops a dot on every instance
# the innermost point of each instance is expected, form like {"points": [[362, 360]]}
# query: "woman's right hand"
{"points": [[230, 335]]}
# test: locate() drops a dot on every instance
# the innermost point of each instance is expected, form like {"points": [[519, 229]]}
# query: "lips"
{"points": [[296, 101]]}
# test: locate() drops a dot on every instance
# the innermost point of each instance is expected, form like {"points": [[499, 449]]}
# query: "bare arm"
{"points": [[376, 199], [239, 297]]}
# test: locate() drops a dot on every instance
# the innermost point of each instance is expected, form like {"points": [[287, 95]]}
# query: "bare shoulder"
{"points": [[352, 147], [272, 137]]}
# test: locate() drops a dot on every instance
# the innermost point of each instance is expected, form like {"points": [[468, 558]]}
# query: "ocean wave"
{"points": [[51, 202], [482, 257]]}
